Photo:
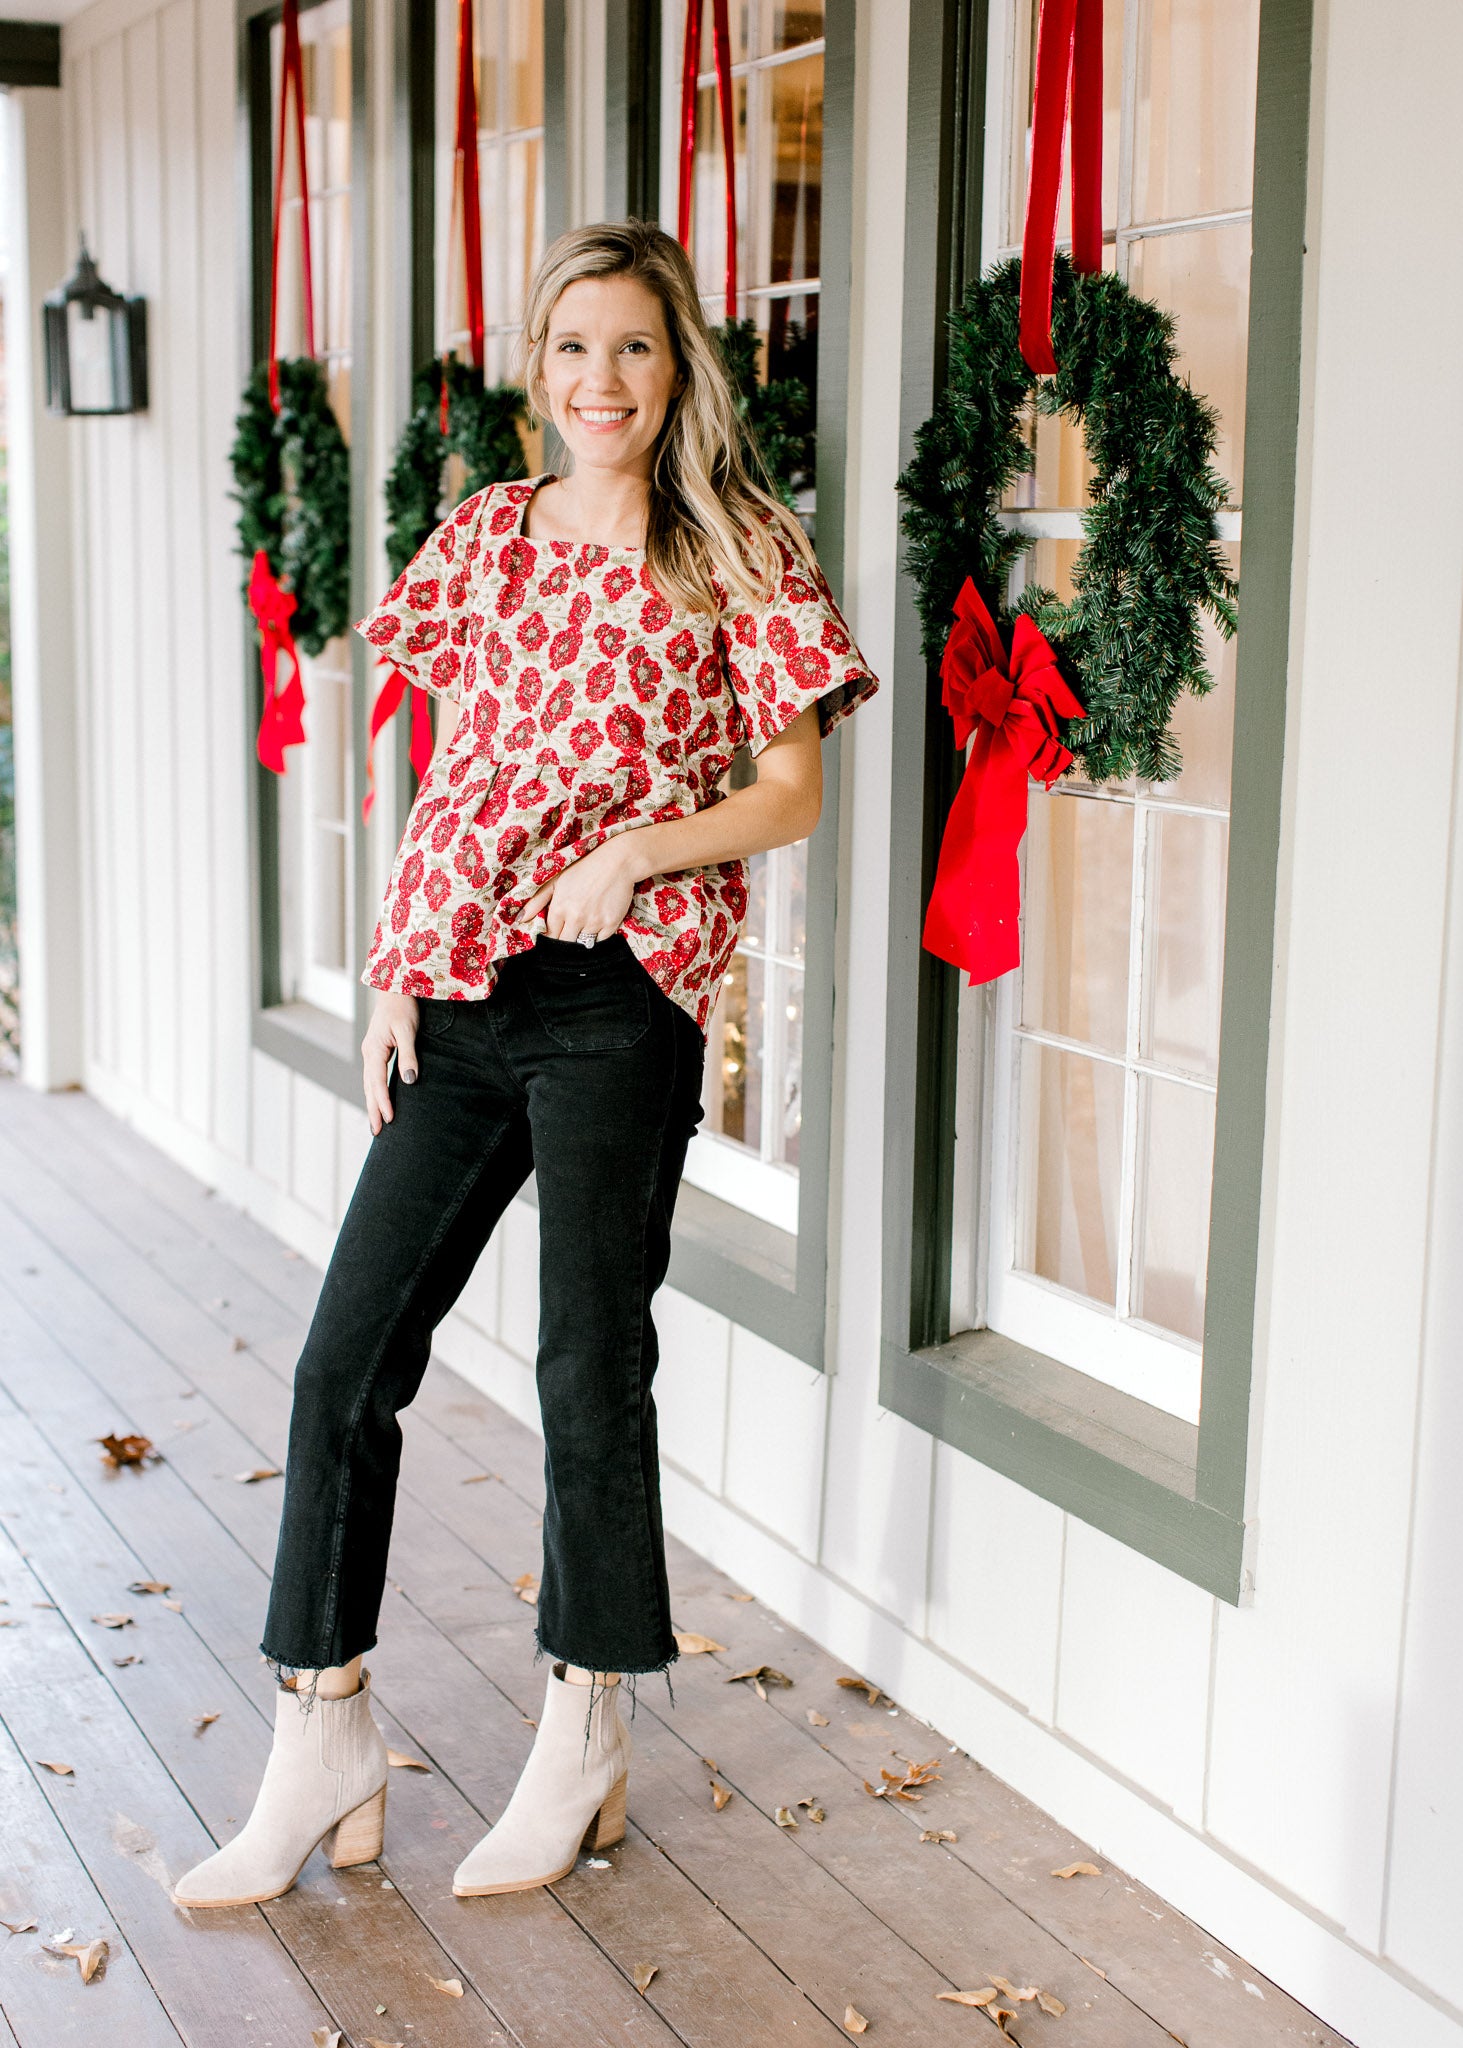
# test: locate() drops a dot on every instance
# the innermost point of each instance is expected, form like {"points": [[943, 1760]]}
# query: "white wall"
{"points": [[1288, 1772]]}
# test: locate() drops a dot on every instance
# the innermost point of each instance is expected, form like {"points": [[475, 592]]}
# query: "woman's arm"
{"points": [[593, 893]]}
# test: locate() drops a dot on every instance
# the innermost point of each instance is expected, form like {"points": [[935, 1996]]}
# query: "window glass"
{"points": [[315, 850]]}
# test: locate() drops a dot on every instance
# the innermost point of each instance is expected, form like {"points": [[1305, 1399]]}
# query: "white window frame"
{"points": [[1111, 1346]]}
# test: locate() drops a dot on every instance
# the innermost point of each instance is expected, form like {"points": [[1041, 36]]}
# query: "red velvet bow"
{"points": [[384, 708], [1012, 704], [280, 723]]}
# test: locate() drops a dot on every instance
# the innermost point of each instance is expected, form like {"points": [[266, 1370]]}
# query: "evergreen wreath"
{"points": [[292, 472], [482, 427], [777, 417], [1129, 640]]}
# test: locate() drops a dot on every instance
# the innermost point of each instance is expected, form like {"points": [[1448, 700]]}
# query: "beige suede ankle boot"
{"points": [[326, 1776], [567, 1798]]}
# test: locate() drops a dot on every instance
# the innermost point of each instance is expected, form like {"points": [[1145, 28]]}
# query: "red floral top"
{"points": [[590, 705]]}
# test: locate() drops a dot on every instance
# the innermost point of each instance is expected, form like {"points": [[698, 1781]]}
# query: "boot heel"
{"points": [[608, 1825], [359, 1836]]}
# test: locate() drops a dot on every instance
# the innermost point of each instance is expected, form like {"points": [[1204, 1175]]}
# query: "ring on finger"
{"points": [[588, 938]]}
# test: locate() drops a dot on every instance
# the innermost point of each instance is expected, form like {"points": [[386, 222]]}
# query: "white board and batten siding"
{"points": [[1287, 1772]]}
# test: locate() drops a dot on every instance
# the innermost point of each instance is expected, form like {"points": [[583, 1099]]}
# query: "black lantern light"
{"points": [[96, 346]]}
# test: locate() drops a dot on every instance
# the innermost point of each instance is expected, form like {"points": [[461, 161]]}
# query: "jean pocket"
{"points": [[435, 1015], [597, 1002]]}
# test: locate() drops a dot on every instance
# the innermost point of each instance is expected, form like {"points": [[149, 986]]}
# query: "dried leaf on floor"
{"points": [[477, 1478], [149, 1586], [862, 1685], [1093, 1967], [720, 1796], [691, 1645], [815, 1719], [643, 1974], [526, 1587], [112, 1620], [938, 1835], [8, 1621], [1022, 1997], [741, 1596], [325, 2037], [987, 1996], [131, 1658], [90, 1955], [176, 1605], [127, 1450], [711, 1763], [1000, 2014], [259, 1472], [854, 2020], [61, 1770], [202, 1721], [761, 1675], [815, 1811], [404, 1762], [786, 1818], [19, 1926], [1078, 1870], [897, 1785], [451, 1986], [239, 1344], [1049, 2002]]}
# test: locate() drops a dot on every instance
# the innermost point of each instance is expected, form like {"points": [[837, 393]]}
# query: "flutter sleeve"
{"points": [[430, 621], [791, 652]]}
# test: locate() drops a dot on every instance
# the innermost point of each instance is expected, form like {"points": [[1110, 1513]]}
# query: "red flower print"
{"points": [[447, 544], [766, 680], [557, 580], [531, 792], [469, 508], [485, 717], [704, 734], [549, 819], [809, 666], [782, 635], [445, 831], [637, 779], [669, 904], [585, 737], [467, 921], [530, 689], [617, 582], [424, 812], [745, 628], [734, 891], [520, 942], [600, 681], [468, 962], [590, 795], [709, 678], [490, 812], [797, 590], [417, 984], [678, 710], [382, 629], [668, 754], [655, 614], [425, 635], [560, 704], [422, 596], [468, 861], [510, 598], [681, 651], [589, 557], [683, 952], [411, 873], [421, 945], [516, 560], [533, 632], [565, 647], [498, 655], [834, 637], [446, 668], [626, 729], [397, 587], [609, 640], [504, 519], [523, 735], [384, 971], [645, 677], [720, 926], [401, 913], [438, 888], [512, 842]]}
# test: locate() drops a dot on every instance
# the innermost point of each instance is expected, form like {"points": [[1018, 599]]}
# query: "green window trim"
{"points": [[1173, 1491], [770, 1281]]}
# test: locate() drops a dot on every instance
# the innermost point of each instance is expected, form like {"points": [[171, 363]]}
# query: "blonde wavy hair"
{"points": [[711, 511]]}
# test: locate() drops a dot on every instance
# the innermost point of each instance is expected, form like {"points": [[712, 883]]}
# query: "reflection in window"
{"points": [[315, 852], [1106, 1042], [747, 1150]]}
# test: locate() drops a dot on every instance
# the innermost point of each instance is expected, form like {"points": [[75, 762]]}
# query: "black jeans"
{"points": [[577, 1067]]}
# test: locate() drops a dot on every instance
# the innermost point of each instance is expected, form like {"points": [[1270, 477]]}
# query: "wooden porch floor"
{"points": [[132, 1300]]}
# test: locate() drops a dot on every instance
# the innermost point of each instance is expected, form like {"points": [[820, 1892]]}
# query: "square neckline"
{"points": [[568, 546]]}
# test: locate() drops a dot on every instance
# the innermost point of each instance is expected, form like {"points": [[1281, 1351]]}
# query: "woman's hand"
{"points": [[591, 895], [393, 1028]]}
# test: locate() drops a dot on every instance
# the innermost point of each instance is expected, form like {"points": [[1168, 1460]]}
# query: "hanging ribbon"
{"points": [[291, 83], [383, 710], [690, 59], [1068, 69], [1012, 704], [466, 193], [280, 723]]}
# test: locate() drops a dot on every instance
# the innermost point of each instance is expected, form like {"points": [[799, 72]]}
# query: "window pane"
{"points": [[1195, 143], [795, 929], [1204, 278], [1078, 898], [788, 986], [1071, 1140], [708, 225], [525, 63], [754, 930], [790, 143], [794, 22], [1184, 941], [1171, 1251]]}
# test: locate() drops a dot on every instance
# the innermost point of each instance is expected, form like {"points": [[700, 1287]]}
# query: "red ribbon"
{"points": [[1068, 66], [690, 57], [465, 182], [387, 699], [291, 80], [1012, 704], [280, 724]]}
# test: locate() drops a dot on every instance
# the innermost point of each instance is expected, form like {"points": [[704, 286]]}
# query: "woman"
{"points": [[568, 892]]}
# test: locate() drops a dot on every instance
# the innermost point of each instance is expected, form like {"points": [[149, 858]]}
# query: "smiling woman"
{"points": [[566, 897]]}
